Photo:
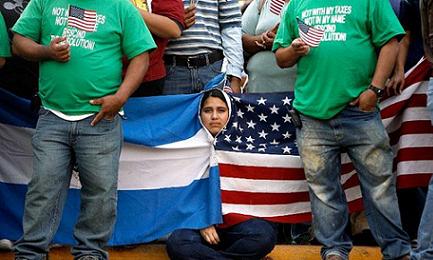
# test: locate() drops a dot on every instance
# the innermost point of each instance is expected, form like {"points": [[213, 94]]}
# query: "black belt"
{"points": [[195, 61]]}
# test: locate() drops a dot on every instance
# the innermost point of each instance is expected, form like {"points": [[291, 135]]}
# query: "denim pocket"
{"points": [[216, 66]]}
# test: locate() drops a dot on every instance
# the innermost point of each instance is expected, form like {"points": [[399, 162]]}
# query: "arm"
{"points": [[111, 104], [289, 56], [210, 235], [160, 25], [367, 100], [58, 50], [2, 62], [396, 81], [255, 43]]}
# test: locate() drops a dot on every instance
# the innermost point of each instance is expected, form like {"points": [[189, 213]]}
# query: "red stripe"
{"points": [[415, 154], [411, 127], [411, 181], [416, 100], [261, 173], [250, 198], [234, 218]]}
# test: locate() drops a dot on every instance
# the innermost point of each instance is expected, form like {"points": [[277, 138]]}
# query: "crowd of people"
{"points": [[83, 60]]}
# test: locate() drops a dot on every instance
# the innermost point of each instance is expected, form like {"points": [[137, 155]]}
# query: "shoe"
{"points": [[334, 257], [6, 244]]}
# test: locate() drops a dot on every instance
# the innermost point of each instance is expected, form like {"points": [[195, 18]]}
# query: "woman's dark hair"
{"points": [[213, 93]]}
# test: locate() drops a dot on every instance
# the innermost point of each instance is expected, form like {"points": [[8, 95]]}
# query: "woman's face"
{"points": [[214, 114]]}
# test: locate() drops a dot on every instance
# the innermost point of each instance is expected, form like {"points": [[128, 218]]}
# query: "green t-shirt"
{"points": [[342, 66], [99, 33], [5, 50]]}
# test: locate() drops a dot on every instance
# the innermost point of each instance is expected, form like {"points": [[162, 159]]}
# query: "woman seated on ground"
{"points": [[251, 239]]}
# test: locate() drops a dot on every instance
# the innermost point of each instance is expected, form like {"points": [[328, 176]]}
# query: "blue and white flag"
{"points": [[166, 177]]}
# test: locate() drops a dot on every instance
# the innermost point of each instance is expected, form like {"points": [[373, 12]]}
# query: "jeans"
{"points": [[430, 98], [184, 80], [57, 144], [424, 251], [363, 137], [252, 239]]}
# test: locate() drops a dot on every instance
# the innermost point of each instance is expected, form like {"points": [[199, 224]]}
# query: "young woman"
{"points": [[252, 239]]}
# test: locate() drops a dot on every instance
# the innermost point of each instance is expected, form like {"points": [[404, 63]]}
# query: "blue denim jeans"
{"points": [[424, 251], [57, 145], [252, 239], [430, 98], [185, 80], [363, 137]]}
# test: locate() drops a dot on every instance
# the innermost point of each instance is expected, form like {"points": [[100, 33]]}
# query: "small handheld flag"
{"points": [[310, 35]]}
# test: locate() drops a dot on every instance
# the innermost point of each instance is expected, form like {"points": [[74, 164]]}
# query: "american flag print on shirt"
{"points": [[261, 173], [276, 6], [82, 19], [310, 35]]}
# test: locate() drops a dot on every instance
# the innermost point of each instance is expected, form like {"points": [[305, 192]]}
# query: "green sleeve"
{"points": [[29, 24], [5, 50], [287, 30], [136, 37], [383, 23]]}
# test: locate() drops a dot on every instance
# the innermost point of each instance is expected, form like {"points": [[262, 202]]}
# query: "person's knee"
{"points": [[179, 242], [265, 236]]}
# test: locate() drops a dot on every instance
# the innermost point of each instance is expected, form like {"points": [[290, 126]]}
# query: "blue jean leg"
{"points": [[367, 144], [48, 187], [320, 154], [252, 239], [97, 153], [424, 251], [430, 98], [184, 80]]}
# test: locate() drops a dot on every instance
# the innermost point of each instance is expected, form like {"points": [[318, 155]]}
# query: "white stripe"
{"points": [[263, 160], [414, 141], [140, 167], [414, 167], [280, 209], [410, 114], [269, 186], [16, 157]]}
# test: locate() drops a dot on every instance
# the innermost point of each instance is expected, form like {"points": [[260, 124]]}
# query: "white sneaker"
{"points": [[6, 244]]}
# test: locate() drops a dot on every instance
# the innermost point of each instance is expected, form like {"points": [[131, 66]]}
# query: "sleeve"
{"points": [[286, 31], [250, 18], [136, 37], [231, 36], [30, 22], [172, 9], [5, 50], [383, 23]]}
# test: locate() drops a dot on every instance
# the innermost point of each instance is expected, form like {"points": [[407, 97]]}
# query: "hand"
{"points": [[110, 106], [59, 50], [266, 40], [235, 84], [300, 47], [395, 84], [189, 16], [210, 235], [366, 102]]}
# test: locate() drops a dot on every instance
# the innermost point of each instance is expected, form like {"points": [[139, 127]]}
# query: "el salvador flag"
{"points": [[168, 178]]}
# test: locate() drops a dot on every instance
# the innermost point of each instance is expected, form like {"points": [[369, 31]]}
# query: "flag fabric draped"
{"points": [[167, 178], [261, 171]]}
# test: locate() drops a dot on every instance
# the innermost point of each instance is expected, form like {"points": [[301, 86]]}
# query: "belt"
{"points": [[194, 61]]}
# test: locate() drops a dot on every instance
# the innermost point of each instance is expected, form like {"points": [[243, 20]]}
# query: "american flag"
{"points": [[261, 171], [82, 19], [276, 6], [310, 35]]}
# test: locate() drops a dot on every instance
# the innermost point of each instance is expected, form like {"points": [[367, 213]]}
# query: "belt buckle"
{"points": [[188, 65]]}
